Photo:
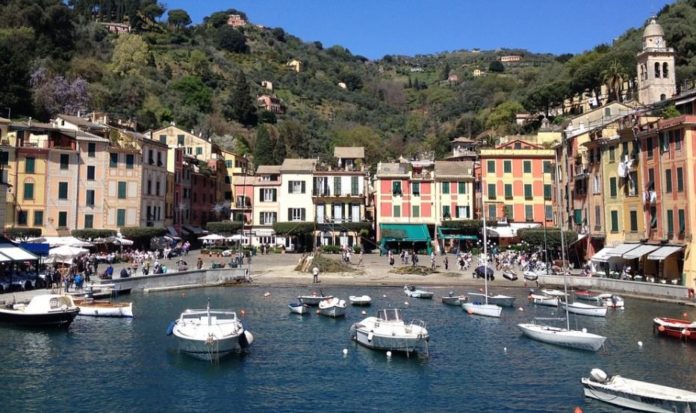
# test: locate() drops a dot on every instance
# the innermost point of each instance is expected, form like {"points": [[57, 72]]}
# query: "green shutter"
{"points": [[682, 221], [578, 216], [527, 167], [509, 212], [416, 211], [337, 185], [121, 190], [62, 219], [354, 181], [529, 213], [446, 211], [445, 188], [120, 217], [461, 188], [29, 165], [614, 221], [507, 167], [668, 180], [491, 167], [670, 223], [508, 191], [548, 191], [527, 191], [38, 218], [612, 187], [634, 221], [680, 180], [491, 191], [62, 190], [28, 191]]}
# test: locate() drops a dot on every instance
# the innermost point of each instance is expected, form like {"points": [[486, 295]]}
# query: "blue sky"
{"points": [[374, 28]]}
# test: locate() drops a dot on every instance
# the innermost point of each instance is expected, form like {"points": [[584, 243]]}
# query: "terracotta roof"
{"points": [[268, 170], [81, 122], [454, 169], [298, 165], [349, 152]]}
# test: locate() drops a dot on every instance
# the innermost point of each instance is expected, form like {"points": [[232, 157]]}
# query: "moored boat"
{"points": [[542, 299], [510, 275], [388, 331], [477, 308], [414, 292], [585, 309], [210, 334], [314, 299], [332, 307], [298, 308], [674, 327], [104, 308], [554, 293], [360, 300], [45, 310], [637, 395], [610, 300], [498, 299], [530, 275], [452, 299], [587, 295], [564, 337]]}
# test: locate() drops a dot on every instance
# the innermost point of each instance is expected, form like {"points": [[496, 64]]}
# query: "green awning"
{"points": [[405, 232], [453, 233]]}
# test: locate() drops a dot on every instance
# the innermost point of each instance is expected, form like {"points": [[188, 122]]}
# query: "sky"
{"points": [[374, 28]]}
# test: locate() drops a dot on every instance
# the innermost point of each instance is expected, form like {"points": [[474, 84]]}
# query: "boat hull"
{"points": [[58, 319], [586, 309], [209, 350], [384, 342], [118, 310], [488, 310], [313, 300], [334, 312], [501, 300], [561, 337], [456, 301], [634, 401], [675, 328], [298, 309], [360, 301], [543, 300]]}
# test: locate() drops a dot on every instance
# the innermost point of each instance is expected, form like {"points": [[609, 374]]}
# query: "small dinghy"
{"points": [[103, 308], [414, 292], [314, 299], [452, 299], [585, 309], [298, 308], [541, 299], [611, 300], [360, 300], [510, 275], [332, 307]]}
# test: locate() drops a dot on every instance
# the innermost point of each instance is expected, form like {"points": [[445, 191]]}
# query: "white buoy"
{"points": [[640, 344], [405, 302], [388, 354], [267, 294], [345, 352], [521, 309], [384, 296], [363, 312], [505, 349]]}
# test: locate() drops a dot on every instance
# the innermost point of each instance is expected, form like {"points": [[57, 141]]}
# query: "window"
{"points": [[547, 167], [462, 211], [122, 190], [491, 167], [632, 184], [416, 211], [682, 221], [527, 167], [120, 217], [653, 217], [89, 221], [612, 187], [649, 144], [62, 190], [665, 70], [337, 185], [651, 179], [4, 158], [491, 212], [614, 221], [29, 165], [612, 153], [508, 191], [38, 218], [228, 163], [507, 167], [680, 179], [157, 188], [415, 188], [598, 217], [130, 160], [91, 149], [113, 160], [491, 191], [607, 111], [445, 188], [90, 173], [397, 211], [657, 70], [548, 192], [596, 184], [199, 150], [62, 219], [180, 140], [577, 216], [267, 194], [28, 190], [354, 185], [461, 187], [89, 197], [446, 212], [677, 140], [529, 213], [668, 180], [64, 161], [634, 221], [670, 223], [267, 218], [296, 214], [549, 212], [296, 187], [163, 138], [22, 218], [528, 191], [151, 157], [396, 188]]}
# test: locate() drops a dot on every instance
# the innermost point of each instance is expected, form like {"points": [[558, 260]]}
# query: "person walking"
{"points": [[446, 262], [315, 274]]}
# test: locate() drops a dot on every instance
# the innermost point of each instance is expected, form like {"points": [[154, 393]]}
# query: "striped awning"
{"points": [[619, 250], [602, 255], [664, 252], [640, 251]]}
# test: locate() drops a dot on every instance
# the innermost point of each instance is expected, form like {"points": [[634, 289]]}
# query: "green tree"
{"points": [[444, 73], [193, 92], [613, 77], [502, 118], [669, 112], [231, 39], [178, 19], [240, 104], [130, 56], [496, 66], [263, 147], [15, 46]]}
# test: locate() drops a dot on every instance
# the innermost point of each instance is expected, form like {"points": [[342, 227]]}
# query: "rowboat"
{"points": [[360, 300], [452, 299], [332, 307], [586, 295], [298, 308], [585, 309], [676, 328], [314, 299], [103, 308], [542, 299]]}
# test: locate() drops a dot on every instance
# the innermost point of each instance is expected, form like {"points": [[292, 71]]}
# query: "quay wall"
{"points": [[181, 278], [620, 286]]}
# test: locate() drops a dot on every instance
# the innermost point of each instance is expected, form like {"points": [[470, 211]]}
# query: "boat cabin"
{"points": [[48, 302], [393, 314]]}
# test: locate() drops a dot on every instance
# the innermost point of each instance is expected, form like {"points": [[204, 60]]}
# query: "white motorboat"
{"points": [[360, 300], [314, 299], [298, 308], [210, 334], [542, 299], [45, 310], [452, 299], [611, 300], [637, 395], [388, 331], [414, 292], [498, 299], [585, 309], [489, 310], [104, 308], [532, 275], [578, 339], [554, 293], [332, 307]]}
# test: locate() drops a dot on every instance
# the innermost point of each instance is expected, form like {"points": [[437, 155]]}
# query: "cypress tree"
{"points": [[240, 105]]}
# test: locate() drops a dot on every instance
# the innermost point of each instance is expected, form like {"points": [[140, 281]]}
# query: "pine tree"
{"points": [[263, 148], [240, 105]]}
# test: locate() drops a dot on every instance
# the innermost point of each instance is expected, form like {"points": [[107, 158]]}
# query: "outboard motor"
{"points": [[599, 375], [245, 339]]}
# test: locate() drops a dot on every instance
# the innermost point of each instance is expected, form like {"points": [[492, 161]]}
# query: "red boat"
{"points": [[586, 295], [673, 327]]}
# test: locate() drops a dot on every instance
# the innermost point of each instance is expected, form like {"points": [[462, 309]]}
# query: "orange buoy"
{"points": [[578, 409], [686, 332], [242, 312], [661, 329], [470, 311]]}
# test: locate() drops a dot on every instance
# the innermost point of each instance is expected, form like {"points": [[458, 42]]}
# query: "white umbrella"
{"points": [[237, 237], [212, 237], [66, 251]]}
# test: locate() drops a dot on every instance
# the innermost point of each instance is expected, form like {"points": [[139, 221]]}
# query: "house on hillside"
{"points": [[236, 20], [295, 65], [271, 104]]}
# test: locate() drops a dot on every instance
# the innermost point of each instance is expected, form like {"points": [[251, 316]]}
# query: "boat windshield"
{"points": [[390, 315]]}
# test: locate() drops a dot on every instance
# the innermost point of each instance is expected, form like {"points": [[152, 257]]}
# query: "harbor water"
{"points": [[297, 363]]}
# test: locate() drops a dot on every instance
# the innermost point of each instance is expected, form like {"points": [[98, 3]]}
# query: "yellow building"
{"points": [[7, 155]]}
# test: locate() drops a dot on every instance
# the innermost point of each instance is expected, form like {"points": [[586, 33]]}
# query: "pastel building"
{"points": [[297, 176], [266, 188]]}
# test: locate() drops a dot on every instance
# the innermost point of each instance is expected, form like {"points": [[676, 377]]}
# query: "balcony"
{"points": [[581, 172], [649, 198]]}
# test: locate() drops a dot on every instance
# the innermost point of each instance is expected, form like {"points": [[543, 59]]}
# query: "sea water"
{"points": [[297, 363]]}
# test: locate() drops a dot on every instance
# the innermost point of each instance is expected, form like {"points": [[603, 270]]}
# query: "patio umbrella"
{"points": [[237, 237], [66, 251], [212, 237]]}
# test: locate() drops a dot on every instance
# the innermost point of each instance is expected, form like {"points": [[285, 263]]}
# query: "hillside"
{"points": [[59, 58]]}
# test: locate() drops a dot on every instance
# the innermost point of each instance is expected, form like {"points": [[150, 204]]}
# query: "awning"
{"points": [[501, 232], [602, 255], [16, 253], [640, 251], [405, 232], [619, 250], [454, 233], [663, 252], [262, 232]]}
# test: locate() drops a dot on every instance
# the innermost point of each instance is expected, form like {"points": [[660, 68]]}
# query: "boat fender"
{"points": [[661, 328], [243, 342], [170, 328], [369, 336], [686, 332]]}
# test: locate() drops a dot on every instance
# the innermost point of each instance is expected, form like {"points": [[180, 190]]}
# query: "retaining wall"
{"points": [[619, 286], [192, 277]]}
